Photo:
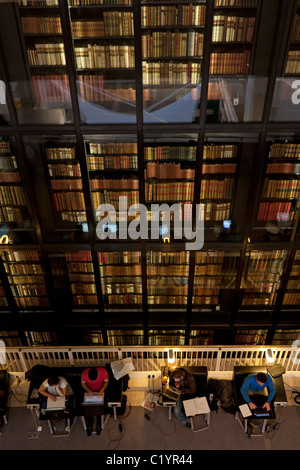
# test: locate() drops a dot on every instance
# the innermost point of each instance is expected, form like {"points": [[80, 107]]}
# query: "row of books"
{"points": [[295, 36], [219, 151], [172, 44], [293, 284], [284, 150], [60, 153], [281, 188], [51, 88], [101, 56], [205, 300], [125, 299], [293, 62], [81, 278], [208, 269], [292, 168], [168, 271], [217, 211], [80, 288], [233, 28], [173, 191], [28, 302], [170, 73], [8, 162], [66, 185], [108, 162], [70, 201], [228, 63], [168, 290], [163, 299], [167, 152], [19, 256], [120, 271], [114, 183], [11, 214], [128, 288], [113, 148], [37, 3], [112, 197], [41, 337], [10, 177], [236, 3], [12, 195], [175, 257], [80, 267], [91, 89], [181, 15], [85, 300], [217, 189], [47, 54], [99, 2], [41, 24], [275, 211], [74, 216], [28, 291], [219, 168], [291, 298], [26, 279], [23, 269], [64, 170], [120, 257], [168, 170], [202, 291], [214, 256], [114, 23]]}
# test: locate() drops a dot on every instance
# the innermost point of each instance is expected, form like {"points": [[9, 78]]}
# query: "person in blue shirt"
{"points": [[257, 383]]}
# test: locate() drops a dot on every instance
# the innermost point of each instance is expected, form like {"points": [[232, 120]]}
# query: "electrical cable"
{"points": [[121, 428], [297, 397], [33, 434]]}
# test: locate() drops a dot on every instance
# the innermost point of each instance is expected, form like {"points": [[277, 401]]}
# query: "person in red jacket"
{"points": [[94, 379]]}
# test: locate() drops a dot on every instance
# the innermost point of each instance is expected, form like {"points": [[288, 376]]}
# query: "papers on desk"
{"points": [[58, 404], [150, 401], [196, 406], [245, 410], [121, 368]]}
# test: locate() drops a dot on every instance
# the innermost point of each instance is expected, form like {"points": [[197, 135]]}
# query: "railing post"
{"points": [[219, 357], [22, 360], [71, 358]]}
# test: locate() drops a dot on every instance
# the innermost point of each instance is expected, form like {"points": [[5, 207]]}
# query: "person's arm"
{"points": [[43, 391], [101, 391], [86, 388], [271, 390], [244, 393]]}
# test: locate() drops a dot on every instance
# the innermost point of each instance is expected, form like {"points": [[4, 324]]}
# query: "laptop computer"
{"points": [[171, 392], [59, 404], [260, 412], [94, 399]]}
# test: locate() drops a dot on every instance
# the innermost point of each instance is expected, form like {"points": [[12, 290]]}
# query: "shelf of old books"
{"points": [[167, 277], [44, 49], [278, 209], [26, 277], [286, 336], [121, 278], [166, 337], [15, 213], [81, 278], [125, 337], [218, 180], [292, 293], [103, 41], [214, 270], [172, 37], [292, 63], [114, 179], [41, 338], [262, 276], [251, 336], [10, 338], [66, 186], [201, 337]]}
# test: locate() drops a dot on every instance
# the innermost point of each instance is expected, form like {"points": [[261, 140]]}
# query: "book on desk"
{"points": [[196, 406]]}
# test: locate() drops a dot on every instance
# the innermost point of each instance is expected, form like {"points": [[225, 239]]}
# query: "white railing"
{"points": [[148, 358]]}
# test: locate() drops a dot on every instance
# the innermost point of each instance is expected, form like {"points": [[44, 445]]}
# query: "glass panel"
{"points": [[121, 277], [262, 276], [26, 278], [37, 64], [167, 277], [105, 61], [172, 53], [286, 99]]}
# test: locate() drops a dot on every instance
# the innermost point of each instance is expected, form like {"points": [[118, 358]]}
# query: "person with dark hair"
{"points": [[94, 380], [183, 380], [256, 384], [54, 387]]}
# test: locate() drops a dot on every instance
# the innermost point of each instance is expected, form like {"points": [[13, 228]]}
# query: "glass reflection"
{"points": [[286, 100]]}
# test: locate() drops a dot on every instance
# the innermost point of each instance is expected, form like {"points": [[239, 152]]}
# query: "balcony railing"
{"points": [[149, 358]]}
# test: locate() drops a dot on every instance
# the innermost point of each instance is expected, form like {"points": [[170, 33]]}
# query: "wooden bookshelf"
{"points": [[292, 293], [81, 278]]}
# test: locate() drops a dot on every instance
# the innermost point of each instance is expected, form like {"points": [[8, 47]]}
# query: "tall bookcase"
{"points": [[178, 103]]}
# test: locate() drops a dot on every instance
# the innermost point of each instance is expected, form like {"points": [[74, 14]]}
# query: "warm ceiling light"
{"points": [[171, 356], [270, 355]]}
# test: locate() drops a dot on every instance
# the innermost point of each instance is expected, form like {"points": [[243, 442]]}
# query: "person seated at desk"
{"points": [[185, 381], [54, 387], [94, 379], [256, 383]]}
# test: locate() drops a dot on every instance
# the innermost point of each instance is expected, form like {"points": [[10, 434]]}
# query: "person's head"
{"points": [[53, 380], [93, 374], [177, 376], [261, 378]]}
